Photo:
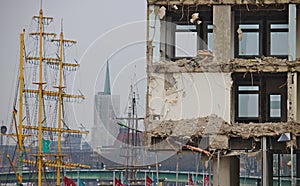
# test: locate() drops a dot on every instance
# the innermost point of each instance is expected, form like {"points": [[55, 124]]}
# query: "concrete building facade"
{"points": [[223, 76], [106, 109]]}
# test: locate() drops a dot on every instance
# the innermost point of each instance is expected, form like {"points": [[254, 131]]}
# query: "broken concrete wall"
{"points": [[248, 2], [177, 96]]}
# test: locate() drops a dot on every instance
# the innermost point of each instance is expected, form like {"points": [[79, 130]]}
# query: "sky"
{"points": [[104, 29]]}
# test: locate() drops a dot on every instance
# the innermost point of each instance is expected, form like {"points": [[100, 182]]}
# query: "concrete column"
{"points": [[292, 31], [228, 173], [154, 29], [267, 164], [298, 100], [222, 32], [298, 33], [292, 96]]}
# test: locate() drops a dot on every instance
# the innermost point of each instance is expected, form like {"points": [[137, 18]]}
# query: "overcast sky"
{"points": [[104, 29]]}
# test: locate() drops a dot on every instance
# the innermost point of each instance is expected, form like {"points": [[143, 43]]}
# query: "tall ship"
{"points": [[42, 114]]}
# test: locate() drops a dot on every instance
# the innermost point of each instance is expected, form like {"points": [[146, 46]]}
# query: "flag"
{"points": [[190, 181], [68, 182], [118, 182], [194, 179], [46, 145], [205, 180], [80, 182], [124, 182], [148, 181], [154, 180]]}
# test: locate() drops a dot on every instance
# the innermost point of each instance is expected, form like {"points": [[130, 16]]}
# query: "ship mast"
{"points": [[58, 95], [21, 81], [40, 92], [60, 87], [132, 136], [19, 128]]}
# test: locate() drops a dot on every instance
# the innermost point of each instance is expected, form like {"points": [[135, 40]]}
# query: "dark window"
{"points": [[260, 97], [183, 39], [264, 31]]}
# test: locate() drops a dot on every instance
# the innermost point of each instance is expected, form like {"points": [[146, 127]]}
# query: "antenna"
{"points": [[61, 25]]}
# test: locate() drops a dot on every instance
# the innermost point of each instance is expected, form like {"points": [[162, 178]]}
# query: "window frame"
{"points": [[206, 31], [269, 31], [237, 42], [269, 84], [202, 34], [263, 17], [274, 119], [185, 30], [237, 93]]}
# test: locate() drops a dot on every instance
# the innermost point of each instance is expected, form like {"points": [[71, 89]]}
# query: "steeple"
{"points": [[107, 80]]}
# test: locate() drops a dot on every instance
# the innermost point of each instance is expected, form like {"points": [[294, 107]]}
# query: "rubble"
{"points": [[211, 2], [218, 129], [204, 62], [187, 127]]}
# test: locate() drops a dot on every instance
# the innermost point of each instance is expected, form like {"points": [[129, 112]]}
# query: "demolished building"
{"points": [[223, 75]]}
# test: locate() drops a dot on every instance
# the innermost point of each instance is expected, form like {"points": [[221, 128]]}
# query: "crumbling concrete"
{"points": [[204, 63], [216, 2], [173, 83], [176, 96], [218, 130]]}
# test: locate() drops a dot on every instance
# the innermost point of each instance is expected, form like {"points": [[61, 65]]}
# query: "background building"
{"points": [[106, 109]]}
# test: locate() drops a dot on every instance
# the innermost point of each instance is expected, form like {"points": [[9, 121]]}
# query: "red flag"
{"points": [[118, 182], [205, 180], [190, 180], [148, 181], [68, 182]]}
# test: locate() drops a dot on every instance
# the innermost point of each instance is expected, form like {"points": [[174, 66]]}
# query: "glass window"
{"points": [[185, 27], [185, 44], [275, 106], [249, 26], [249, 45], [210, 41], [248, 88], [279, 26], [280, 170], [279, 44], [279, 39], [210, 36], [248, 105]]}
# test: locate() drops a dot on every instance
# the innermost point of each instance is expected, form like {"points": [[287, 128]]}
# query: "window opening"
{"points": [[186, 41]]}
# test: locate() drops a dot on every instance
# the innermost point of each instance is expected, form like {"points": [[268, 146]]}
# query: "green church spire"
{"points": [[107, 80]]}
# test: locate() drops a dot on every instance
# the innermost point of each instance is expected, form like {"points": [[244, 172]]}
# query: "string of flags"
{"points": [[149, 181], [70, 182]]}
